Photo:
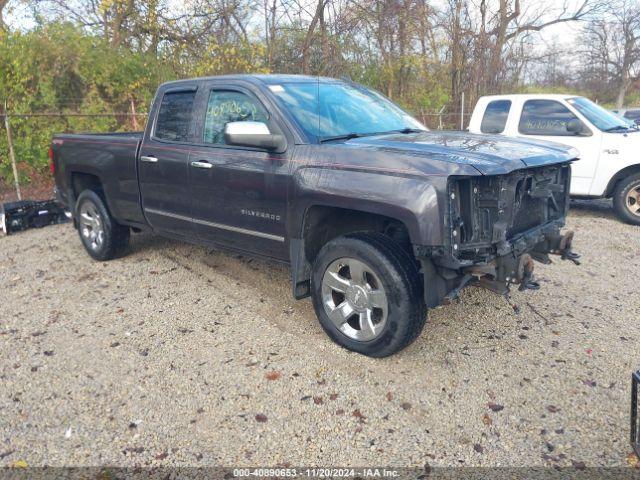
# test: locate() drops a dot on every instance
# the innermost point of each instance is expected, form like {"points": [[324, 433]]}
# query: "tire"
{"points": [[626, 199], [103, 238], [362, 321]]}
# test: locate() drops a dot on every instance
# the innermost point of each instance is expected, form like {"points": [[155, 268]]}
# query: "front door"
{"points": [[547, 120], [238, 194], [164, 164]]}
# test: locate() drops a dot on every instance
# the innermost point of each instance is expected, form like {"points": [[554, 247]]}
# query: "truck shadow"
{"points": [[601, 208], [481, 321], [145, 242]]}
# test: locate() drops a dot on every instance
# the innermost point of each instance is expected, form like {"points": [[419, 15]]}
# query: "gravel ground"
{"points": [[178, 355]]}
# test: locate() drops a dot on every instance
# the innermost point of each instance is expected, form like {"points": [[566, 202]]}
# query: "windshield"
{"points": [[603, 119], [343, 109]]}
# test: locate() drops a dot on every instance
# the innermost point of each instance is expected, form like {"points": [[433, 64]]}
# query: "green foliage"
{"points": [[632, 99], [65, 70], [108, 69], [61, 69], [230, 58]]}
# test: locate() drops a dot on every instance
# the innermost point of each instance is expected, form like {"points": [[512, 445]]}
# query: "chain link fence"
{"points": [[443, 119]]}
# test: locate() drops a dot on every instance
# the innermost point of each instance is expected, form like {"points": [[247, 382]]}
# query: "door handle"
{"points": [[201, 164], [148, 159]]}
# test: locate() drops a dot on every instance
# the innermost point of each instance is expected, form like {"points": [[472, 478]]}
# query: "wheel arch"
{"points": [[322, 223], [620, 175], [80, 181]]}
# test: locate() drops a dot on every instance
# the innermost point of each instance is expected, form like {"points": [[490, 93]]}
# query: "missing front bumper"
{"points": [[516, 264]]}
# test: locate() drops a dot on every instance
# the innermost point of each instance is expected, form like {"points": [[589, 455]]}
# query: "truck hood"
{"points": [[489, 154]]}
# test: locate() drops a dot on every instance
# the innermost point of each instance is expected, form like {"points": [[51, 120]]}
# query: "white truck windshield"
{"points": [[598, 116]]}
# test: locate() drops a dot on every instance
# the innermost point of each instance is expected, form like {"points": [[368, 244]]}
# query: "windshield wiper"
{"points": [[405, 130], [618, 127], [345, 136], [349, 136], [409, 130]]}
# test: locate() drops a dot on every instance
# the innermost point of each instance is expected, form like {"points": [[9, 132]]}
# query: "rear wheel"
{"points": [[101, 235], [367, 294], [626, 199]]}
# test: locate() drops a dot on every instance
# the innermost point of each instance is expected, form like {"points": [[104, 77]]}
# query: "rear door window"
{"points": [[545, 117], [495, 116], [174, 117]]}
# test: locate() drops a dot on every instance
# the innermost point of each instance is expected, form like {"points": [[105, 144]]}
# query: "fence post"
{"points": [[440, 112], [462, 112], [12, 155], [134, 118]]}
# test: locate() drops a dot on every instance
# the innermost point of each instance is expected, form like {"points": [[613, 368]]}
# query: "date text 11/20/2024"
{"points": [[316, 472]]}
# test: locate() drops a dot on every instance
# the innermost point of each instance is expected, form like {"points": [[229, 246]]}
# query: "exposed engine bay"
{"points": [[499, 225]]}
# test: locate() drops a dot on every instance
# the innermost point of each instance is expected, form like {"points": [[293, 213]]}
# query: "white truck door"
{"points": [[551, 120]]}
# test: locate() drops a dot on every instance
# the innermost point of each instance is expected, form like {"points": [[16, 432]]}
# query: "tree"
{"points": [[611, 46], [100, 56], [3, 5], [491, 33]]}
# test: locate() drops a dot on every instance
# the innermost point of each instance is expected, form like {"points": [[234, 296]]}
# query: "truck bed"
{"points": [[105, 134], [93, 136], [109, 157]]}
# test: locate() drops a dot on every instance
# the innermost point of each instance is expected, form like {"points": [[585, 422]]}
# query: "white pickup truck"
{"points": [[609, 146]]}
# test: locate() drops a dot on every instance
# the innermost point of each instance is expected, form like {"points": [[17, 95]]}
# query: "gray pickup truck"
{"points": [[379, 218]]}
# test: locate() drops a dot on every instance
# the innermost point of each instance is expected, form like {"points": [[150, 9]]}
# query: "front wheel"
{"points": [[367, 294], [626, 199], [101, 235]]}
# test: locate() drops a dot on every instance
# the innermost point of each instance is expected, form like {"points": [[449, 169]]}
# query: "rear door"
{"points": [[239, 194], [163, 163]]}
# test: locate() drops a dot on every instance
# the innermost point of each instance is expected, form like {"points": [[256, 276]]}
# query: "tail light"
{"points": [[52, 165]]}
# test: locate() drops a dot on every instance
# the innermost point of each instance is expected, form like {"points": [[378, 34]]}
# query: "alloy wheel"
{"points": [[354, 299], [633, 200], [91, 225]]}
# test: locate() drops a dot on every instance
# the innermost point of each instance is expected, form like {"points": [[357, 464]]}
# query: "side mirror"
{"points": [[576, 127], [253, 134]]}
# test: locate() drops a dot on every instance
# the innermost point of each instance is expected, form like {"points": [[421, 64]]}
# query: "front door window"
{"points": [[226, 106]]}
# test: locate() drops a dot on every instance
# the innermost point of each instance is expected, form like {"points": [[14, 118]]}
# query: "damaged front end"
{"points": [[498, 227]]}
